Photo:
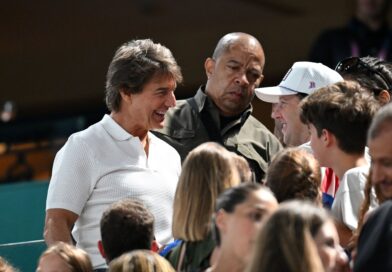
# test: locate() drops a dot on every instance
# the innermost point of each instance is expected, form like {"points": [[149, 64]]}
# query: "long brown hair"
{"points": [[207, 171], [285, 243]]}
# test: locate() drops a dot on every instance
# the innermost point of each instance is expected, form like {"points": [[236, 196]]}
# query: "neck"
{"points": [[344, 162], [228, 262], [130, 127]]}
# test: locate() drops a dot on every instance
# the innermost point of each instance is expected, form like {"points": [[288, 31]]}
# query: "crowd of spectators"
{"points": [[201, 185]]}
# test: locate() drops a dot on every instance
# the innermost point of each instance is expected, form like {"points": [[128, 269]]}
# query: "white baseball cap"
{"points": [[303, 77]]}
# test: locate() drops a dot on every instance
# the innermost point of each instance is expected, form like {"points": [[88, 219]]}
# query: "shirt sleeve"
{"points": [[347, 203], [73, 176]]}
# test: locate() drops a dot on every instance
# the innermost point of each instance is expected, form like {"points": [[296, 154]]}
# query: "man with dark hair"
{"points": [[119, 157], [125, 226], [221, 110], [339, 117]]}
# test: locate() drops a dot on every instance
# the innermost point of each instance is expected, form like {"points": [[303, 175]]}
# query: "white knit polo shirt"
{"points": [[104, 164]]}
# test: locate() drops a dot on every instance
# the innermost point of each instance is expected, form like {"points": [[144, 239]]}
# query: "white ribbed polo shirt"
{"points": [[104, 164]]}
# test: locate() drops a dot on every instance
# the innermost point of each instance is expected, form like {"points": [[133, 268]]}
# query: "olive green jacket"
{"points": [[185, 130], [196, 255]]}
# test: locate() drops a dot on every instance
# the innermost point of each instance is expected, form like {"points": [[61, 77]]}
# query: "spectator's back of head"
{"points": [[125, 226], [64, 257], [207, 171], [295, 174], [6, 267], [140, 261]]}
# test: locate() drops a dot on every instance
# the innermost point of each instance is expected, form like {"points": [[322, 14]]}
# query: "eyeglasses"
{"points": [[352, 63]]}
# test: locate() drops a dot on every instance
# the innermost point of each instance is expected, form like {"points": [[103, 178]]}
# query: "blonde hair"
{"points": [[140, 261], [76, 258], [6, 267], [207, 171], [243, 168], [286, 243]]}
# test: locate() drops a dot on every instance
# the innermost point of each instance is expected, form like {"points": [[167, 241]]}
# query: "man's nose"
{"points": [[242, 79], [171, 100], [275, 113]]}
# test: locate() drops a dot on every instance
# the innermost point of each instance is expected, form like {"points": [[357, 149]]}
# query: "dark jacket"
{"points": [[374, 252], [196, 120]]}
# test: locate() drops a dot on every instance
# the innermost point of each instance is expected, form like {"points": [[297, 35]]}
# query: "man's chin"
{"points": [[232, 109]]}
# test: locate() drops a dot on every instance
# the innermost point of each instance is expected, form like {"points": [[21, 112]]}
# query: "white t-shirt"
{"points": [[103, 164], [350, 195]]}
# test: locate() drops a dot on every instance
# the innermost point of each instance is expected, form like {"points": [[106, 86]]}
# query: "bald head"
{"points": [[238, 38]]}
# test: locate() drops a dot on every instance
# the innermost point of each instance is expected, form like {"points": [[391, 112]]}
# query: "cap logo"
{"points": [[287, 74], [312, 85]]}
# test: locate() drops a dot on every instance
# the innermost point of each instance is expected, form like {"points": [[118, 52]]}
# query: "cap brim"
{"points": [[271, 94]]}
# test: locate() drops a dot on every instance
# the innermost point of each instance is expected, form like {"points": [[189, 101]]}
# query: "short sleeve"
{"points": [[73, 177]]}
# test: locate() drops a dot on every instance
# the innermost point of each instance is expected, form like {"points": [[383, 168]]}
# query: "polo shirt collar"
{"points": [[114, 129]]}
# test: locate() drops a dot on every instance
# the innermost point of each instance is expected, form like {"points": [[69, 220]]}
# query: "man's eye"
{"points": [[253, 77], [233, 67]]}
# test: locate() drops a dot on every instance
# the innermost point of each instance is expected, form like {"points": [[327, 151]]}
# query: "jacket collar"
{"points": [[203, 100]]}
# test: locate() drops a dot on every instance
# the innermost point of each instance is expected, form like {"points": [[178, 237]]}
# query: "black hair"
{"points": [[230, 198]]}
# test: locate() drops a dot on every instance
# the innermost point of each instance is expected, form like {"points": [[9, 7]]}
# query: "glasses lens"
{"points": [[347, 64]]}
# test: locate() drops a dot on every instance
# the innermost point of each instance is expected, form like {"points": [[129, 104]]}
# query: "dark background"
{"points": [[55, 54]]}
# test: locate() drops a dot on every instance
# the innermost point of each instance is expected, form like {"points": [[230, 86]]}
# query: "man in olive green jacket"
{"points": [[221, 110]]}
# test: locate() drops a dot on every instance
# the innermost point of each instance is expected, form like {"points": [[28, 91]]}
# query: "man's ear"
{"points": [[101, 250], [327, 137], [125, 96], [209, 66], [384, 97]]}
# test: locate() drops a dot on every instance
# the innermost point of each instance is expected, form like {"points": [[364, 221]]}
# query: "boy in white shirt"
{"points": [[339, 117]]}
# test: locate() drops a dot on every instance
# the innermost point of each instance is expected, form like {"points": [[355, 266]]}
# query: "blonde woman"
{"points": [[140, 261], [208, 170]]}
